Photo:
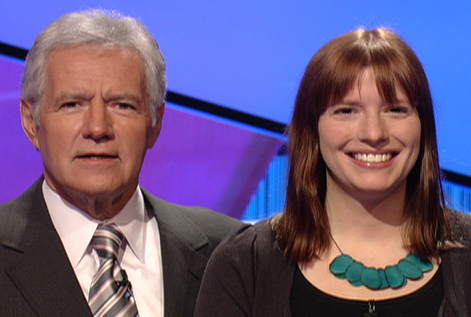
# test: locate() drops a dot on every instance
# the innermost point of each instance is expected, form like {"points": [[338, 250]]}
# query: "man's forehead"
{"points": [[86, 70], [79, 58], [97, 50]]}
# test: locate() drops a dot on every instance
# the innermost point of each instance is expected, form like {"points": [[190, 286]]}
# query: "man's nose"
{"points": [[98, 122]]}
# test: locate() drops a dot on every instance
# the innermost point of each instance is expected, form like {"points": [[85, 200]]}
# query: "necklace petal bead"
{"points": [[424, 264], [340, 264], [409, 269], [394, 276], [353, 273], [384, 280], [370, 278]]}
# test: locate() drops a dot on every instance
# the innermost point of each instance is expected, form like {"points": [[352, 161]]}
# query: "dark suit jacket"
{"points": [[36, 278]]}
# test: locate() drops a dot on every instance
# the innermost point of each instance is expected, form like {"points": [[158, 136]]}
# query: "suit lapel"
{"points": [[182, 264], [42, 271], [47, 281]]}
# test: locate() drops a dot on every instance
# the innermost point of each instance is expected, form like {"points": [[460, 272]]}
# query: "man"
{"points": [[74, 243]]}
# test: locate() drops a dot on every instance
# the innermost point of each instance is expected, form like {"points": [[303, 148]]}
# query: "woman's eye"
{"points": [[400, 110], [343, 111]]}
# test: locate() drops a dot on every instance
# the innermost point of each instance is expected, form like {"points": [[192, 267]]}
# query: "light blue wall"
{"points": [[250, 55]]}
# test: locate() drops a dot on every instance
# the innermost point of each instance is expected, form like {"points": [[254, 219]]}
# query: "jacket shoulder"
{"points": [[17, 214], [190, 223]]}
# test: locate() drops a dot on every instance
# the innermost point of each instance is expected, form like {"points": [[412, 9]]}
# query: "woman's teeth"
{"points": [[373, 158]]}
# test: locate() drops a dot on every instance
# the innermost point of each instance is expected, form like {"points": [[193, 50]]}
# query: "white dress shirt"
{"points": [[140, 255]]}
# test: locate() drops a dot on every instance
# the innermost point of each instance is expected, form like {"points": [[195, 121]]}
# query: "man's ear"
{"points": [[27, 120], [155, 130]]}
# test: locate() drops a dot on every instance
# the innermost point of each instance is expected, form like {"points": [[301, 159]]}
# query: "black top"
{"points": [[248, 275], [307, 300]]}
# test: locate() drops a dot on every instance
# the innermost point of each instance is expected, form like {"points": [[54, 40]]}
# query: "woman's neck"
{"points": [[369, 222]]}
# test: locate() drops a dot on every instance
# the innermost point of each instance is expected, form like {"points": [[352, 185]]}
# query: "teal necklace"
{"points": [[395, 276]]}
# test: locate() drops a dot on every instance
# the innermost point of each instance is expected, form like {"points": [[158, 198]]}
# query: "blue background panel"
{"points": [[250, 55]]}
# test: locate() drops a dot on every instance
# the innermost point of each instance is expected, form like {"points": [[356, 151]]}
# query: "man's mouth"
{"points": [[97, 157]]}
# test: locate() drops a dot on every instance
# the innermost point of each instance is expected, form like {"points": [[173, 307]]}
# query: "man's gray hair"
{"points": [[95, 27]]}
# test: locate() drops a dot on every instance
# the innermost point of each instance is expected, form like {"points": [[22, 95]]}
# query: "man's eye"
{"points": [[125, 106], [69, 105]]}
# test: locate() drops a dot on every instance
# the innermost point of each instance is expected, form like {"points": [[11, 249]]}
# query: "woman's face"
{"points": [[368, 144]]}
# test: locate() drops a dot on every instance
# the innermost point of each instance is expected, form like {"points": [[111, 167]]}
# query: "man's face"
{"points": [[95, 125]]}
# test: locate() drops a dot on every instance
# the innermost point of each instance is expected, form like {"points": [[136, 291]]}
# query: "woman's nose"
{"points": [[373, 130]]}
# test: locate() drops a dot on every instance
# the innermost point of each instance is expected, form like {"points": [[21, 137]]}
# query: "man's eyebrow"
{"points": [[117, 97], [74, 96], [87, 97]]}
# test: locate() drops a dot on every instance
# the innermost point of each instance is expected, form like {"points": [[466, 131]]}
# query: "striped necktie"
{"points": [[110, 291]]}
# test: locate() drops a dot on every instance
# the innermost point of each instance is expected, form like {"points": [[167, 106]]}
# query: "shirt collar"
{"points": [[76, 228], [132, 220]]}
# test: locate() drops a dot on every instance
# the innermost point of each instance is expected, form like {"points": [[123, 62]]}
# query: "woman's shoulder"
{"points": [[460, 225], [250, 237], [247, 275]]}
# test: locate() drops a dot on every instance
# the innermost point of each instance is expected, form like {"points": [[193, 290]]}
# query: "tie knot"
{"points": [[106, 241]]}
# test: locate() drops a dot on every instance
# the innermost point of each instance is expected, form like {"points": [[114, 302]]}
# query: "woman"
{"points": [[364, 231]]}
